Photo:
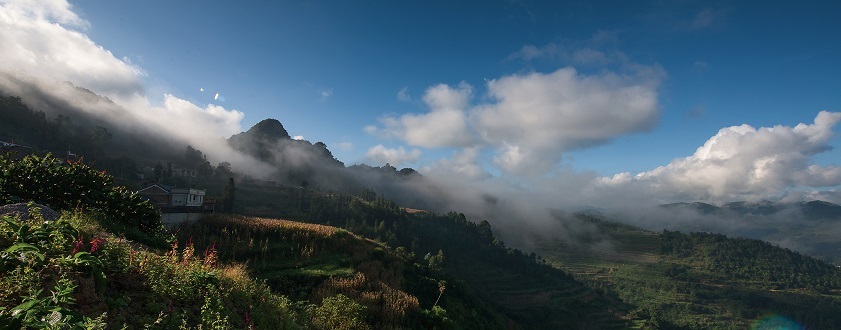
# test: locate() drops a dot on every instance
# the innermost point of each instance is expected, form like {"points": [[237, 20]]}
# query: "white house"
{"points": [[178, 205], [187, 197]]}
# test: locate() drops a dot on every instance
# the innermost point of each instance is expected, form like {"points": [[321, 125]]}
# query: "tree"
{"points": [[228, 196], [99, 136], [435, 262], [485, 231], [205, 169], [442, 285], [192, 157], [223, 169], [159, 169]]}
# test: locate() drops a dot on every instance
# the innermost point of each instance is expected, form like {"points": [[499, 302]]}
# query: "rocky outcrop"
{"points": [[21, 210]]}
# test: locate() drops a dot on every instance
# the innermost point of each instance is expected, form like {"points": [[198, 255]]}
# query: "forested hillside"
{"points": [[521, 286], [703, 280]]}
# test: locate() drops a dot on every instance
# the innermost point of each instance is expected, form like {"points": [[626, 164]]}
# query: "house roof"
{"points": [[5, 144], [171, 190], [164, 188], [191, 191]]}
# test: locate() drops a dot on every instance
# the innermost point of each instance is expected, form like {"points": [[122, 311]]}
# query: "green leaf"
{"points": [[23, 247], [11, 223], [99, 280], [87, 259], [25, 306]]}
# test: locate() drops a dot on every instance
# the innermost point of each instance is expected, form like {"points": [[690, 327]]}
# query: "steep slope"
{"points": [[312, 262], [526, 291]]}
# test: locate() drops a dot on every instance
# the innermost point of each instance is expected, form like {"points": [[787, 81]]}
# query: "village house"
{"points": [[178, 205], [15, 151], [187, 197]]}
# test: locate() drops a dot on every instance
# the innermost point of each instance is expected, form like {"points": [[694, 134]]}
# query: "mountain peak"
{"points": [[261, 139], [270, 129]]}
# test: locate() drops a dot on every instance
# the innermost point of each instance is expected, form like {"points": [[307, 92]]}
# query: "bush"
{"points": [[339, 312], [71, 186]]}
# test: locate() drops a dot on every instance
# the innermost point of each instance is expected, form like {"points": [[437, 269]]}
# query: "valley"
{"points": [[321, 234]]}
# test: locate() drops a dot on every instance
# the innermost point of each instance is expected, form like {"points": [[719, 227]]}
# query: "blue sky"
{"points": [[327, 70]]}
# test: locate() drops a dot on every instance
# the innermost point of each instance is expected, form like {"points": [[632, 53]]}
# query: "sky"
{"points": [[664, 100]]}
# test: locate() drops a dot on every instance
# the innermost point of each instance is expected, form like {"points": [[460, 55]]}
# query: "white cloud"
{"points": [[403, 95], [40, 43], [39, 38], [536, 117], [464, 164], [42, 47], [513, 159], [298, 137], [532, 119], [444, 126], [58, 11], [398, 156], [742, 163]]}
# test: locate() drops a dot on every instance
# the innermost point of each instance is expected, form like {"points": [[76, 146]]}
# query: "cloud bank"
{"points": [[740, 163], [379, 154], [46, 45], [530, 120]]}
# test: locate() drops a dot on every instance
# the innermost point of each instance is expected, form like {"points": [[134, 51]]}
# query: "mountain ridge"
{"points": [[811, 210]]}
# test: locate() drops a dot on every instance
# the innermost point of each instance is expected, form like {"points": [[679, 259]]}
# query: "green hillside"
{"points": [[309, 262], [525, 291], [701, 280], [390, 268]]}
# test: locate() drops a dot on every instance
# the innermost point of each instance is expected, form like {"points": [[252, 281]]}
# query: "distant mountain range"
{"points": [[809, 210]]}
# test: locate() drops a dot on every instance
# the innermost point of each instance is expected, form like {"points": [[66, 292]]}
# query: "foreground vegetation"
{"points": [[70, 272]]}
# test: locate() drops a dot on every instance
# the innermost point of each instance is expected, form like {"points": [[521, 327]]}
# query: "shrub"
{"points": [[75, 185], [339, 312]]}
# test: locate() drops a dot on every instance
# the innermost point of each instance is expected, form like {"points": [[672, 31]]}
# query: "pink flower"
{"points": [[78, 245], [96, 243]]}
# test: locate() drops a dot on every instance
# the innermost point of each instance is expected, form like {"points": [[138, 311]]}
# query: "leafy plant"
{"points": [[74, 185], [49, 311]]}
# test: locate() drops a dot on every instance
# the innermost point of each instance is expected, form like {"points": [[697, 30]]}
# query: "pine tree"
{"points": [[228, 196]]}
